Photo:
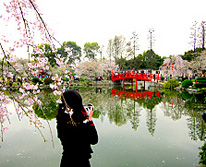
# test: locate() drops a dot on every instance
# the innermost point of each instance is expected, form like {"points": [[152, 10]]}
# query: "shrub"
{"points": [[47, 90], [186, 83], [201, 78], [202, 154], [47, 81], [82, 79], [171, 84], [200, 85], [186, 95], [201, 81]]}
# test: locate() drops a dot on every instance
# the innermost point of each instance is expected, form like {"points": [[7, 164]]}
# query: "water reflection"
{"points": [[167, 120], [122, 107], [143, 99], [49, 105]]}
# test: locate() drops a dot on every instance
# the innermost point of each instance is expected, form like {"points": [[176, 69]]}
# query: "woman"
{"points": [[76, 130]]}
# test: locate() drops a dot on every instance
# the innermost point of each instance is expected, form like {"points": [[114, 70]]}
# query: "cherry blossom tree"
{"points": [[199, 64], [23, 29], [95, 68], [174, 66]]}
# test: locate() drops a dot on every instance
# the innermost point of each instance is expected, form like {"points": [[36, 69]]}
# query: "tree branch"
{"points": [[50, 36]]}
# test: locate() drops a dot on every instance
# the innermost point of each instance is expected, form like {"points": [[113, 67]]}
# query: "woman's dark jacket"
{"points": [[76, 140]]}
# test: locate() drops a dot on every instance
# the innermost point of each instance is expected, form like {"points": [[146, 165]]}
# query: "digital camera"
{"points": [[89, 107]]}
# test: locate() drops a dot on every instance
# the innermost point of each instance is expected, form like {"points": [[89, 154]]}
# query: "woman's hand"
{"points": [[90, 114]]}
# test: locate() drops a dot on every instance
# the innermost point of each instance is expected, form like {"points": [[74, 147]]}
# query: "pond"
{"points": [[143, 128]]}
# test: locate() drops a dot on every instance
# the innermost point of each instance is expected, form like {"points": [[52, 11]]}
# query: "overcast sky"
{"points": [[100, 20]]}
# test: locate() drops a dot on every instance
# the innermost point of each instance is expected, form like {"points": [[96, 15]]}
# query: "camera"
{"points": [[89, 107]]}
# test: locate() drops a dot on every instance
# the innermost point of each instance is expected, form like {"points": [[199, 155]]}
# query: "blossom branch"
{"points": [[50, 36], [26, 113]]}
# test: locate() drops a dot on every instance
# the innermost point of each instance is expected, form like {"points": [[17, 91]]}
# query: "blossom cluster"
{"points": [[174, 66], [23, 27], [4, 100]]}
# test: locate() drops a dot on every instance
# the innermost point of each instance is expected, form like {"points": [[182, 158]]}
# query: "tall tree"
{"points": [[199, 64], [193, 35], [110, 50], [91, 49], [151, 38], [119, 44], [152, 63], [70, 45], [132, 46], [101, 51], [48, 52], [202, 34], [191, 54], [95, 68], [175, 66], [129, 64]]}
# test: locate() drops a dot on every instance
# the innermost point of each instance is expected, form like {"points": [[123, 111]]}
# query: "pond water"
{"points": [[136, 129]]}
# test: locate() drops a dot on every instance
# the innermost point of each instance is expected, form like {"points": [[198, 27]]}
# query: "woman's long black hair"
{"points": [[73, 101]]}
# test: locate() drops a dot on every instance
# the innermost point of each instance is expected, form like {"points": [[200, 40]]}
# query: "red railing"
{"points": [[133, 75], [135, 95]]}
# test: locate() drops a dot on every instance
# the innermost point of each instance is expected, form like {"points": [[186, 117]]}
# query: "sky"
{"points": [[100, 20]]}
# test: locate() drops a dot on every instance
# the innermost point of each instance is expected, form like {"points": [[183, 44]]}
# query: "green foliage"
{"points": [[7, 82], [76, 51], [36, 80], [171, 84], [49, 105], [191, 54], [186, 83], [201, 82], [200, 85], [49, 114], [47, 81], [152, 60], [48, 52], [48, 90], [91, 49], [199, 79], [186, 95], [202, 155], [82, 79], [121, 62], [171, 93], [96, 114], [150, 103], [200, 97], [148, 59]]}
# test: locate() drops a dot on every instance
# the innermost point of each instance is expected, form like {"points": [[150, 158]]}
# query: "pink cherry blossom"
{"points": [[30, 101], [57, 92], [29, 31], [21, 90], [53, 86], [10, 75], [59, 101]]}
